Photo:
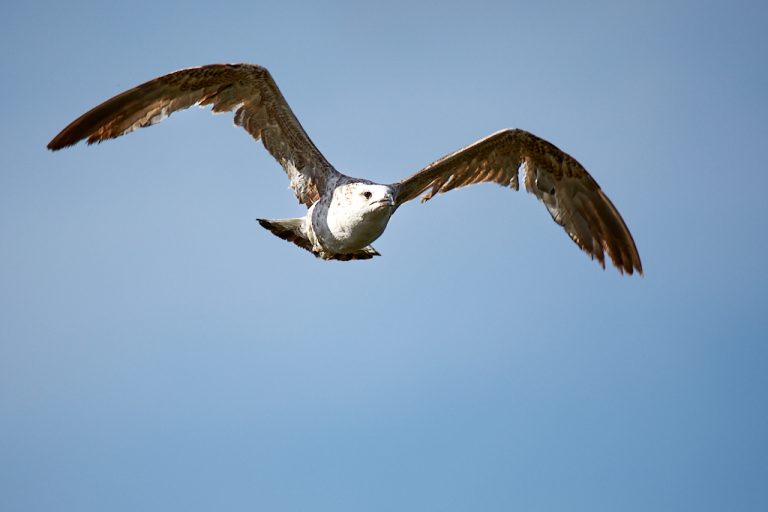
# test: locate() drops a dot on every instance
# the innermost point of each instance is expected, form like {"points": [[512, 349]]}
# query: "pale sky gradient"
{"points": [[161, 351]]}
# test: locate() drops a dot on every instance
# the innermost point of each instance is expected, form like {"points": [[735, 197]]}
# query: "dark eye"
{"points": [[367, 194]]}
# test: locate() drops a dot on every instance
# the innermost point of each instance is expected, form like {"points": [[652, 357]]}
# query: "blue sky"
{"points": [[160, 351]]}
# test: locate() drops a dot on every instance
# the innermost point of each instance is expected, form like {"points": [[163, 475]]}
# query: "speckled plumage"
{"points": [[345, 215]]}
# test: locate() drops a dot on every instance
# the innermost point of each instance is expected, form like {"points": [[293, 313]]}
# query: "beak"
{"points": [[387, 200]]}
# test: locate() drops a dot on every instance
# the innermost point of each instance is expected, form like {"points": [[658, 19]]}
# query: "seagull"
{"points": [[345, 214]]}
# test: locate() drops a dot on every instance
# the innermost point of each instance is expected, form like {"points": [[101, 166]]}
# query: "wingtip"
{"points": [[53, 146], [630, 269], [60, 142]]}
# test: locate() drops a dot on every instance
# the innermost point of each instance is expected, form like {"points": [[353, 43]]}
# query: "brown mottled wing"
{"points": [[571, 196], [246, 88]]}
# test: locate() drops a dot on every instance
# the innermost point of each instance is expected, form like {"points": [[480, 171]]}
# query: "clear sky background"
{"points": [[161, 351]]}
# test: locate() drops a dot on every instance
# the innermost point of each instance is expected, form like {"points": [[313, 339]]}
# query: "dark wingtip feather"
{"points": [[57, 143], [69, 136]]}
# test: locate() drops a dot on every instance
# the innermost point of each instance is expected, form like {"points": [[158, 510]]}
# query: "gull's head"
{"points": [[365, 199]]}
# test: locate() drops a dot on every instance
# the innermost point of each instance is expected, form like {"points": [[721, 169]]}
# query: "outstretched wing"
{"points": [[246, 88], [571, 196]]}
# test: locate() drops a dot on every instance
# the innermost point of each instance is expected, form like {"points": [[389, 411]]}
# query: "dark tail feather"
{"points": [[290, 230]]}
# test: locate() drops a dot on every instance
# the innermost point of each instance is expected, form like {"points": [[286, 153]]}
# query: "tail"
{"points": [[291, 230], [288, 229]]}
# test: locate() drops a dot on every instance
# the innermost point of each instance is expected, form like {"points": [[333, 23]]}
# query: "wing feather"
{"points": [[570, 194], [248, 89]]}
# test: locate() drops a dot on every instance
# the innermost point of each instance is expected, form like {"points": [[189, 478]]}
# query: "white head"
{"points": [[365, 199]]}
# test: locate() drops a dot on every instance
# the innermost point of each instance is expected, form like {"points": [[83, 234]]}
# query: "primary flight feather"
{"points": [[345, 215]]}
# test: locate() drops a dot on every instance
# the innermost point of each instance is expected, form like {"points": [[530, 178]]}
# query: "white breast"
{"points": [[347, 221]]}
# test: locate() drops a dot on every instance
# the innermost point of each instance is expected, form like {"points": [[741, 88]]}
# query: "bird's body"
{"points": [[345, 215], [343, 223], [351, 217]]}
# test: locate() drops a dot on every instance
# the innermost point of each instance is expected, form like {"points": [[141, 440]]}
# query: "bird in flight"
{"points": [[345, 214]]}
